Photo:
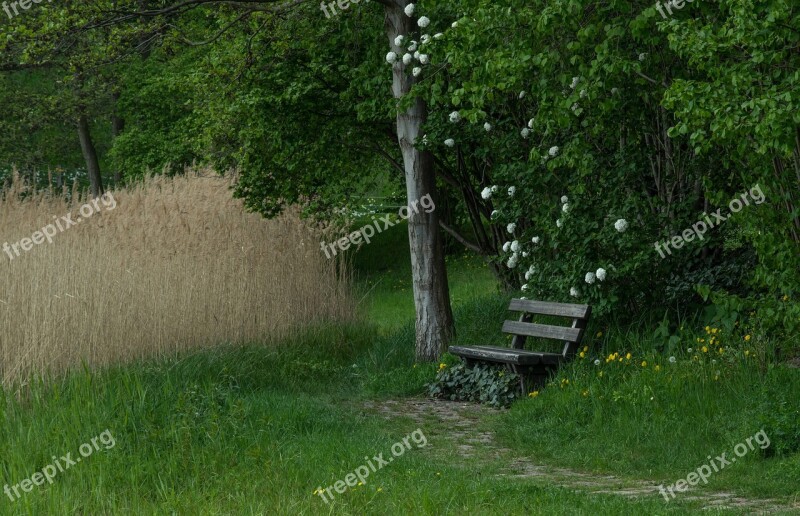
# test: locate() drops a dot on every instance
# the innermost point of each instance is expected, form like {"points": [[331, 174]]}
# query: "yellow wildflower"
{"points": [[704, 349], [442, 366], [533, 394], [582, 354], [585, 393], [585, 349], [657, 368], [628, 356], [599, 334], [644, 363], [747, 338]]}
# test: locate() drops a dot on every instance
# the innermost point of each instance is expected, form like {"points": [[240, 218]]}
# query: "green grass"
{"points": [[383, 275], [248, 430], [257, 429]]}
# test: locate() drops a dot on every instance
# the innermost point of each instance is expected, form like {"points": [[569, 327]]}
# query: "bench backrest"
{"points": [[524, 328]]}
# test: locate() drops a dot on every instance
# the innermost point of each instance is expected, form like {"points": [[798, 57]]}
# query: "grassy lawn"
{"points": [[258, 429]]}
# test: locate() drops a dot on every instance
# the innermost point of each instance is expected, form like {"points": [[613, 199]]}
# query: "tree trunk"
{"points": [[431, 293], [117, 126], [89, 154]]}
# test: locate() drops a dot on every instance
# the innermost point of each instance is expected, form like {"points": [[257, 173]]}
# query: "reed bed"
{"points": [[175, 264]]}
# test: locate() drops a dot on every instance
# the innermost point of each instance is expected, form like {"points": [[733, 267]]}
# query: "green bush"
{"points": [[488, 384]]}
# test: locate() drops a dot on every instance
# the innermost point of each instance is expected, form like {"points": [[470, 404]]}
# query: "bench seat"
{"points": [[506, 355]]}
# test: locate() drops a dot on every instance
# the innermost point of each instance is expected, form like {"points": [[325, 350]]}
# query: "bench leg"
{"points": [[522, 372]]}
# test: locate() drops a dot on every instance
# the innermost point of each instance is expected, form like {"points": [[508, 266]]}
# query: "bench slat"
{"points": [[543, 330], [543, 308], [506, 355]]}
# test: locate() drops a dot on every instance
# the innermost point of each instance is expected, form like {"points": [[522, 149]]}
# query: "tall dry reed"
{"points": [[176, 265]]}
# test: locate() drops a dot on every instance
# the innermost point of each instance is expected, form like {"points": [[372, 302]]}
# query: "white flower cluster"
{"points": [[621, 225], [590, 277], [413, 52]]}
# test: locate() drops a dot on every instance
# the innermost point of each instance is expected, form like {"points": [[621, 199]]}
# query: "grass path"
{"points": [[461, 433]]}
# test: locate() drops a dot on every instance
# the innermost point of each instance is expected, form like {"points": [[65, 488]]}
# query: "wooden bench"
{"points": [[534, 365]]}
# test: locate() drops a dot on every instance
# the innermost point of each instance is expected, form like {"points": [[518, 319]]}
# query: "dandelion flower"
{"points": [[672, 360], [597, 362], [747, 338]]}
